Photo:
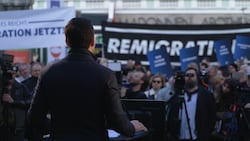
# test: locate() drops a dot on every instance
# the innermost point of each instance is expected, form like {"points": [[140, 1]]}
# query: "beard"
{"points": [[190, 84]]}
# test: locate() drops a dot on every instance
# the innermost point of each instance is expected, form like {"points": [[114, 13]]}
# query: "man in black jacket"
{"points": [[81, 95], [16, 100], [195, 121]]}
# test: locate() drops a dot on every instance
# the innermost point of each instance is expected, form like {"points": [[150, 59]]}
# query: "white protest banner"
{"points": [[27, 29]]}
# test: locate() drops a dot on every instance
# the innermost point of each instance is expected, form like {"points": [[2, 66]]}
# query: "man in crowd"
{"points": [[192, 112], [16, 100], [30, 82], [138, 82]]}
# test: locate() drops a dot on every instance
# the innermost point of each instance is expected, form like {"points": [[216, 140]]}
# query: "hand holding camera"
{"points": [[7, 98], [138, 126]]}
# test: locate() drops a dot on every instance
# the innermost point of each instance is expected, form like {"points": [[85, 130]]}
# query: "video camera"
{"points": [[239, 86], [179, 84], [6, 61], [243, 89]]}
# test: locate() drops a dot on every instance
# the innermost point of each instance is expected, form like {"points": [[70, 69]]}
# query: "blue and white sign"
{"points": [[187, 56], [242, 47], [159, 62], [55, 3], [34, 28], [223, 53]]}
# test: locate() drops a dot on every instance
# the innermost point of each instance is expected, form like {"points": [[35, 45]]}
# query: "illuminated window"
{"points": [[206, 3], [131, 3], [169, 3]]}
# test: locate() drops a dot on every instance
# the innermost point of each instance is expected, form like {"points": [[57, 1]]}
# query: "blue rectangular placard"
{"points": [[159, 62], [187, 56], [55, 3], [242, 47], [223, 53]]}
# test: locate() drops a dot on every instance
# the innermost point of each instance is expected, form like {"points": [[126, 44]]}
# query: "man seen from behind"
{"points": [[81, 95]]}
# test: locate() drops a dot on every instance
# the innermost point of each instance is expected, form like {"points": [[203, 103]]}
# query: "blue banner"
{"points": [[187, 56], [55, 3], [242, 47], [159, 62], [223, 51]]}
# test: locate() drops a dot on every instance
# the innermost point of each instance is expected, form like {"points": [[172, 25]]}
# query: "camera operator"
{"points": [[243, 90], [227, 95], [192, 112], [16, 100], [227, 126], [3, 123]]}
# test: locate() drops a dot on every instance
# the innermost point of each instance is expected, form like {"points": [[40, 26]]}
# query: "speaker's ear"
{"points": [[92, 45]]}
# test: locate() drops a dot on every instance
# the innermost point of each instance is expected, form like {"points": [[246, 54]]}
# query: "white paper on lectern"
{"points": [[113, 133]]}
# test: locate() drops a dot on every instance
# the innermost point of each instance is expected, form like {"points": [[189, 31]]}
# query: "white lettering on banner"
{"points": [[190, 44], [158, 57], [161, 43], [159, 61], [136, 46], [210, 48], [243, 46], [175, 48], [160, 64], [223, 50], [113, 45], [151, 45], [189, 59], [202, 45], [125, 46]]}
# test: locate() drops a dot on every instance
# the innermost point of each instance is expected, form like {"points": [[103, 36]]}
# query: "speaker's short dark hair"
{"points": [[79, 33]]}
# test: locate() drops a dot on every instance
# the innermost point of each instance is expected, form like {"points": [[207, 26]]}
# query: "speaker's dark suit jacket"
{"points": [[82, 98], [204, 120]]}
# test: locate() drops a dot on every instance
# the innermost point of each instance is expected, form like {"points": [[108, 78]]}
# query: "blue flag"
{"points": [[159, 62], [223, 53], [242, 47], [55, 3], [187, 56]]}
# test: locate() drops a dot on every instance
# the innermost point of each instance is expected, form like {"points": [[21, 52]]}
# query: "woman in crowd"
{"points": [[157, 82]]}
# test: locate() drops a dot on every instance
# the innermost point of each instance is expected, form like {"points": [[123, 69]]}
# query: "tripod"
{"points": [[182, 102], [242, 123]]}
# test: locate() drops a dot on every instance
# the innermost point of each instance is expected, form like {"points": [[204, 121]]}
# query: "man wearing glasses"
{"points": [[192, 113]]}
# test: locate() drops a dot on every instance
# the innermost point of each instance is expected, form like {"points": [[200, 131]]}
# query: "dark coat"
{"points": [[30, 83], [22, 99], [82, 97], [205, 116]]}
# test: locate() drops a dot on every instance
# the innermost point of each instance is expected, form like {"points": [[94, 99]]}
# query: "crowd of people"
{"points": [[226, 113], [16, 99], [229, 85], [212, 102]]}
